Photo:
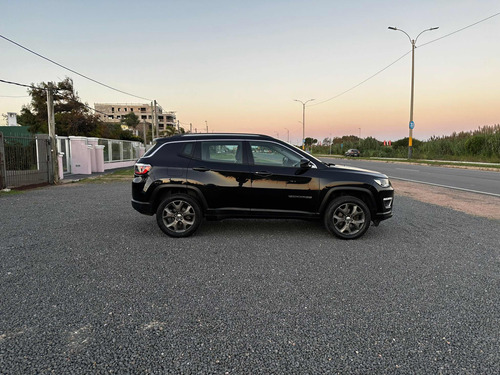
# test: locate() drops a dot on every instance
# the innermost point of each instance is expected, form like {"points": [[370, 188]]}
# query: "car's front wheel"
{"points": [[347, 217], [179, 215]]}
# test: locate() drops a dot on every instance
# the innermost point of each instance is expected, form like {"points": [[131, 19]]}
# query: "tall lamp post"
{"points": [[288, 135], [413, 46], [303, 121]]}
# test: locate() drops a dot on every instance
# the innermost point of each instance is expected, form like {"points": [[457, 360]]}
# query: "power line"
{"points": [[359, 84], [22, 85], [93, 109], [42, 89], [14, 96], [463, 28], [380, 71], [71, 70]]}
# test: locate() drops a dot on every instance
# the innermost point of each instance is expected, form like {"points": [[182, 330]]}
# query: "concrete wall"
{"points": [[87, 156]]}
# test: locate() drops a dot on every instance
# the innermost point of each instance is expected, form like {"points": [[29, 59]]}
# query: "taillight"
{"points": [[141, 169]]}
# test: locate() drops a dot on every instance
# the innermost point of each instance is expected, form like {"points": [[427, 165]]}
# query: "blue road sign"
{"points": [[412, 124]]}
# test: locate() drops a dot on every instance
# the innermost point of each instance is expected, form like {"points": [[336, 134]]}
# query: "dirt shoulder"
{"points": [[470, 203]]}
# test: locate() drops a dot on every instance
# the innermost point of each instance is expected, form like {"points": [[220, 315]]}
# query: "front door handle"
{"points": [[201, 169], [263, 174]]}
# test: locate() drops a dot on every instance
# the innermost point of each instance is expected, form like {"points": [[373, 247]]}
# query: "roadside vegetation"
{"points": [[481, 145], [8, 192]]}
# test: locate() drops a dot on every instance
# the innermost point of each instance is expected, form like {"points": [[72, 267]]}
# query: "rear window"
{"points": [[152, 149], [188, 149]]}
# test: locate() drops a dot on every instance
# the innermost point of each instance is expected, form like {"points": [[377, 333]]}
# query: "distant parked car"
{"points": [[352, 152]]}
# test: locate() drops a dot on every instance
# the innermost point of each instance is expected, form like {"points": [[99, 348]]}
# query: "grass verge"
{"points": [[126, 174]]}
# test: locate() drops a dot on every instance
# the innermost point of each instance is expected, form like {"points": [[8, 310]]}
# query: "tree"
{"points": [[131, 120], [172, 130], [72, 116], [310, 141]]}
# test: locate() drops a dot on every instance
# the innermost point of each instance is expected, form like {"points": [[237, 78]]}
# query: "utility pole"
{"points": [[54, 175], [178, 126], [190, 127], [152, 123], [303, 121], [155, 120], [206, 123], [145, 133], [331, 141]]}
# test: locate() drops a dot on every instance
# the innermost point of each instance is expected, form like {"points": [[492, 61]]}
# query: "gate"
{"points": [[24, 160]]}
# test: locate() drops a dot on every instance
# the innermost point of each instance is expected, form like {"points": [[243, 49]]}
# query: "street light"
{"points": [[303, 121], [288, 135], [413, 46]]}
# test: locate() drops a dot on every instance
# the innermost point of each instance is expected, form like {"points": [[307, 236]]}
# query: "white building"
{"points": [[114, 112], [12, 119]]}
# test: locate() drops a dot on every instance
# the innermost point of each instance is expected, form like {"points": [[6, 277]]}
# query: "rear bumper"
{"points": [[143, 207]]}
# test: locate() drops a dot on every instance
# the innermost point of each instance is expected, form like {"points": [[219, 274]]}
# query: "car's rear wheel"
{"points": [[347, 217], [179, 215]]}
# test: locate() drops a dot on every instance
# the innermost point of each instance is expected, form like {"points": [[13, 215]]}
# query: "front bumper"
{"points": [[382, 216], [385, 206]]}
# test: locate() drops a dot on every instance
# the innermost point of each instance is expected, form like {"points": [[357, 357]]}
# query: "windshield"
{"points": [[310, 156]]}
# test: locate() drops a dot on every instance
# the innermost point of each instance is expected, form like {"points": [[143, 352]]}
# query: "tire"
{"points": [[179, 215], [347, 217]]}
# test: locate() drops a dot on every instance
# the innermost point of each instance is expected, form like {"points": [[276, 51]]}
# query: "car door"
{"points": [[278, 182], [221, 172]]}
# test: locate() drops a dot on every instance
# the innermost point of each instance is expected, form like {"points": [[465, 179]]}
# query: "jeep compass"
{"points": [[186, 178]]}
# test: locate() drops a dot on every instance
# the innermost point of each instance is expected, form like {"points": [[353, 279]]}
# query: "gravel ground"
{"points": [[472, 203], [88, 285]]}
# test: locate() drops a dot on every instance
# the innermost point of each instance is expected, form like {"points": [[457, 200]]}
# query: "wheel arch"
{"points": [[165, 190], [359, 192]]}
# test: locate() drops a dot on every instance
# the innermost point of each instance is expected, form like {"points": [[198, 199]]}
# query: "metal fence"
{"points": [[24, 160], [119, 150]]}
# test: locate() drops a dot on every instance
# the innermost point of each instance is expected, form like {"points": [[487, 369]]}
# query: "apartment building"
{"points": [[114, 112]]}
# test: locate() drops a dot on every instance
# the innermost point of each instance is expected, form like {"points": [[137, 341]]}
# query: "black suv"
{"points": [[186, 178]]}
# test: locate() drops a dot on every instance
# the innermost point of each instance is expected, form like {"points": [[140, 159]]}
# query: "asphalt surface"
{"points": [[475, 180], [87, 285]]}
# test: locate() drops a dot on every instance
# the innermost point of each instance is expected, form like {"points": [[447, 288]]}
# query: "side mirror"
{"points": [[305, 164]]}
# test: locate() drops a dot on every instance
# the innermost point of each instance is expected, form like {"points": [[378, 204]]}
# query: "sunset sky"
{"points": [[239, 65]]}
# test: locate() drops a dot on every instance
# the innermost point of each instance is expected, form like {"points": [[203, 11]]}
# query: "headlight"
{"points": [[383, 182]]}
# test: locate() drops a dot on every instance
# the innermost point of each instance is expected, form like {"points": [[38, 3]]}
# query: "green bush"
{"points": [[482, 144]]}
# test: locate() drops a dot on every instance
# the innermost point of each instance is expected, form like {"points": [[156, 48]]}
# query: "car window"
{"points": [[267, 153], [222, 151], [187, 149], [153, 149]]}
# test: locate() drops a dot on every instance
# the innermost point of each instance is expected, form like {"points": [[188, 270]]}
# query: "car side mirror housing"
{"points": [[305, 164]]}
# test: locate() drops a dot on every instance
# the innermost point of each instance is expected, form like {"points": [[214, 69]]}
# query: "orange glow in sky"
{"points": [[240, 65]]}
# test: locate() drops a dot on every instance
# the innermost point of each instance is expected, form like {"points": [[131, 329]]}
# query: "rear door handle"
{"points": [[201, 169], [263, 174]]}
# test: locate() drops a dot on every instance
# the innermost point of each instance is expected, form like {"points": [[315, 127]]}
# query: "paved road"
{"points": [[468, 179], [87, 285]]}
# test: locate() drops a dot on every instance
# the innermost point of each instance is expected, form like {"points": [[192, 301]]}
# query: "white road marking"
{"points": [[446, 186], [407, 169]]}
